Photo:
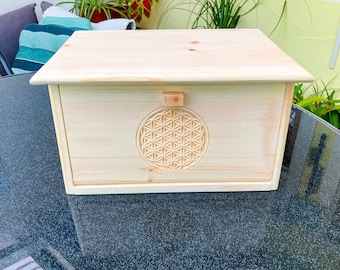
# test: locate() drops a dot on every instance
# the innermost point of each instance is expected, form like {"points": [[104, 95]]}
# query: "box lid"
{"points": [[228, 55]]}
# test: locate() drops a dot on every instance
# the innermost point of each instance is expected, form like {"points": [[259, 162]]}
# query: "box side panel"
{"points": [[282, 136], [58, 118]]}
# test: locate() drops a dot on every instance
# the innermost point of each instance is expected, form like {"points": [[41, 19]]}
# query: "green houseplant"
{"points": [[211, 14], [320, 102], [97, 10]]}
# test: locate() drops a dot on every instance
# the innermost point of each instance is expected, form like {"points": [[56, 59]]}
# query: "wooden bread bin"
{"points": [[170, 110]]}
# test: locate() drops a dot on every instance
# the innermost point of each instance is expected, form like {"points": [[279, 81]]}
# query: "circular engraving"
{"points": [[172, 138]]}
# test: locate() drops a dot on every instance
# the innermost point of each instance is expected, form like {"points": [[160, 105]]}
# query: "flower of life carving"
{"points": [[172, 138]]}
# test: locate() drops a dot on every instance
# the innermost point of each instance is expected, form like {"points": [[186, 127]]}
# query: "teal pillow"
{"points": [[37, 44], [69, 22]]}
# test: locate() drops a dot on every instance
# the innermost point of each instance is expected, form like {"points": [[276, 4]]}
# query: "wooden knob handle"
{"points": [[173, 99]]}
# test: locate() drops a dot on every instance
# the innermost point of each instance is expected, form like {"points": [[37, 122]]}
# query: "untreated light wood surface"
{"points": [[173, 99], [171, 110], [170, 55]]}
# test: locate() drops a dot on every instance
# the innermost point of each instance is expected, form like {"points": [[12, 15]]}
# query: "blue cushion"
{"points": [[73, 23], [37, 44]]}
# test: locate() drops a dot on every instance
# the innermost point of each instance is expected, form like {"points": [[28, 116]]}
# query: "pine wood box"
{"points": [[170, 110]]}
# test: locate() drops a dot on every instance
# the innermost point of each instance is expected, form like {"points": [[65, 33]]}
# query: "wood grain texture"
{"points": [[235, 85], [170, 55], [173, 99], [61, 134], [243, 132]]}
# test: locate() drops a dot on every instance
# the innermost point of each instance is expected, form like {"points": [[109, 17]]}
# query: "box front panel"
{"points": [[233, 130]]}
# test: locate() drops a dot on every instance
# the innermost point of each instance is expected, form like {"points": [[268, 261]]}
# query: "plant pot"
{"points": [[98, 16], [116, 14]]}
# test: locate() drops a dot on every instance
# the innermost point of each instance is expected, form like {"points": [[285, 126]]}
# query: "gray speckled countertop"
{"points": [[295, 227]]}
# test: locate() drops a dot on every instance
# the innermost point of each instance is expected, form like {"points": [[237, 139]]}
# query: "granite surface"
{"points": [[295, 227]]}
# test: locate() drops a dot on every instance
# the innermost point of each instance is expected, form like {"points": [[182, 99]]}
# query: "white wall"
{"points": [[9, 5]]}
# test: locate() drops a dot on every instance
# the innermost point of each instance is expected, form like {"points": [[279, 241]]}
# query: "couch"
{"points": [[13, 23]]}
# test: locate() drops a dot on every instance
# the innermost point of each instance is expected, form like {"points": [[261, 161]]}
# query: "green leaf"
{"points": [[310, 101]]}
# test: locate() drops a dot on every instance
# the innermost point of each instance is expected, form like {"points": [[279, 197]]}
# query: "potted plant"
{"points": [[99, 10], [321, 101], [211, 13]]}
